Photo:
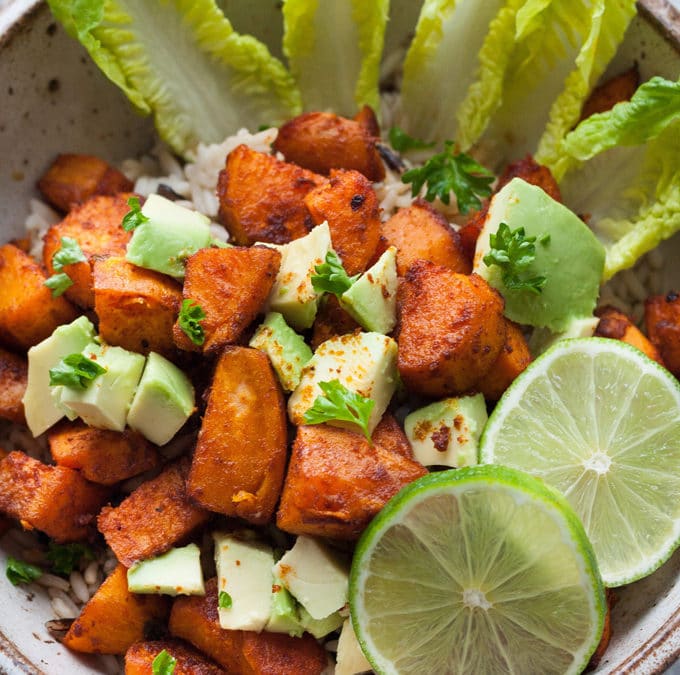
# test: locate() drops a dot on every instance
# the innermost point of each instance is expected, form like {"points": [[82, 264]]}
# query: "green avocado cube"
{"points": [[284, 616], [320, 627], [177, 572]]}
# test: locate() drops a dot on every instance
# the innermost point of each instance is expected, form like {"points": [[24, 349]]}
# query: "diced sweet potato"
{"points": [[322, 141], [13, 380], [451, 329], [367, 119], [96, 226], [53, 499], [261, 198], [331, 321], [615, 90], [73, 179], [139, 659], [513, 359], [421, 233], [136, 307], [240, 457], [662, 319], [349, 204], [114, 618], [155, 517], [101, 455], [616, 325], [337, 482], [231, 286], [195, 619], [28, 312]]}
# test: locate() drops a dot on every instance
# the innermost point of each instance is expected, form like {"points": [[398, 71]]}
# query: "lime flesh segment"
{"points": [[599, 421], [478, 570]]}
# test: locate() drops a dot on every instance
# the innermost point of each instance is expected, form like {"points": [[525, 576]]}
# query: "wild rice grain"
{"points": [[634, 286], [91, 573], [64, 608], [51, 581], [79, 587], [110, 664]]}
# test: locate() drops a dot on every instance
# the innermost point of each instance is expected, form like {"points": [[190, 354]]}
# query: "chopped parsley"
{"points": [[224, 600], [190, 316], [163, 664], [66, 557], [68, 253], [75, 371], [402, 142], [134, 217], [331, 277], [19, 572]]}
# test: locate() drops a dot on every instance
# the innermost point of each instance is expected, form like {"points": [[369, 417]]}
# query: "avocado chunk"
{"points": [[365, 363], [568, 255], [177, 572], [320, 627], [372, 299], [105, 402], [164, 400], [542, 338], [170, 235], [42, 411], [447, 433], [287, 351], [285, 615]]}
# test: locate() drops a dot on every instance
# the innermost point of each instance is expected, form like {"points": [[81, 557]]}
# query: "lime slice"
{"points": [[599, 421], [479, 570]]}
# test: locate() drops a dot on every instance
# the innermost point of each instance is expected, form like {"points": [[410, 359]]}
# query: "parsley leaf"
{"points": [[163, 664], [331, 277], [133, 218], [189, 320], [58, 283], [75, 371], [447, 172], [19, 572], [65, 557], [68, 253], [340, 403], [224, 600], [402, 142], [513, 252]]}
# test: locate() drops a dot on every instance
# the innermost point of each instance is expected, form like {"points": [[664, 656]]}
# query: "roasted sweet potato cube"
{"points": [[195, 619], [13, 380], [331, 321], [662, 319], [367, 119], [139, 659], [240, 456], [349, 204], [322, 141], [28, 312], [615, 90], [96, 226], [419, 232], [261, 198], [337, 482], [451, 329], [231, 285], [114, 618], [53, 499], [155, 517], [73, 179], [101, 455], [616, 325]]}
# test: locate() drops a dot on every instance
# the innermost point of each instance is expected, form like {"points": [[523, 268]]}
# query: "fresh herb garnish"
{"points": [[224, 600], [59, 283], [342, 404], [513, 252], [402, 142], [19, 572], [189, 320], [67, 254], [447, 172], [163, 664], [75, 371], [133, 218], [65, 557], [331, 277]]}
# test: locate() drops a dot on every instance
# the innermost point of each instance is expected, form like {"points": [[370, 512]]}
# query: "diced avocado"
{"points": [[177, 572], [542, 338], [293, 294], [372, 299], [365, 363], [284, 616], [447, 433], [164, 400], [350, 660], [106, 400], [170, 235], [287, 351], [568, 255], [320, 627], [42, 411], [315, 576], [244, 572]]}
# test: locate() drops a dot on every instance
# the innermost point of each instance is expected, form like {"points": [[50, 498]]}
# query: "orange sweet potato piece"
{"points": [[53, 499], [28, 312], [240, 456], [73, 179], [114, 618], [101, 455], [322, 141], [615, 90], [331, 320], [662, 319], [96, 226], [139, 659], [337, 482], [349, 204], [451, 329], [13, 381], [419, 232], [155, 517], [136, 307], [616, 325], [195, 619], [261, 198], [231, 285], [367, 119]]}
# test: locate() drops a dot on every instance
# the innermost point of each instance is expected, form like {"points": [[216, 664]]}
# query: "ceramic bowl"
{"points": [[55, 100]]}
